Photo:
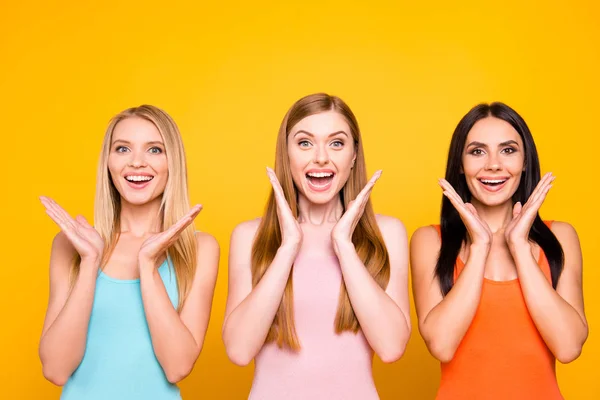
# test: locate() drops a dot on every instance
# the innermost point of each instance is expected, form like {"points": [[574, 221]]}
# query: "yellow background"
{"points": [[227, 73]]}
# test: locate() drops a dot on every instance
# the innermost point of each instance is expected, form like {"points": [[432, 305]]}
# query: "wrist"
{"points": [[290, 247], [343, 246], [519, 246], [482, 249], [90, 263]]}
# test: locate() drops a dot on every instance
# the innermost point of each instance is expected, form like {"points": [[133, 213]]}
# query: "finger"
{"points": [[446, 186], [546, 179], [69, 231], [60, 212], [277, 189], [283, 206], [182, 224], [517, 209], [458, 204], [538, 196], [54, 211], [80, 219], [363, 196]]}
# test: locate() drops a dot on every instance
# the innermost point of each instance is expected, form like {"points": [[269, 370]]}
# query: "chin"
{"points": [[138, 199], [319, 197]]}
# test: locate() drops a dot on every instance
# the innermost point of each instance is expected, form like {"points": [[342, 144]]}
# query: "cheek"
{"points": [[471, 166], [115, 166]]}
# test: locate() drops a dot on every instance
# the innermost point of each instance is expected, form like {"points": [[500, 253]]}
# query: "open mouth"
{"points": [[320, 181], [493, 184], [138, 180]]}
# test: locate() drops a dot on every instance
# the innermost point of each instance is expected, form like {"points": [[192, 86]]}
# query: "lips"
{"points": [[494, 184], [138, 181], [320, 180]]}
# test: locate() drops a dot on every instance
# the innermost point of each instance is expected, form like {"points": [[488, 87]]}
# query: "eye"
{"points": [[476, 152], [509, 150], [304, 143], [155, 150], [121, 149], [337, 144]]}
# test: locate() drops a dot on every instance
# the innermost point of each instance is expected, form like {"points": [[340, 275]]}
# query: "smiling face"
{"points": [[493, 161], [137, 161], [321, 153]]}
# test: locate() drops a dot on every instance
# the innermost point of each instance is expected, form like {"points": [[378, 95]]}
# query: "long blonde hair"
{"points": [[367, 238], [174, 202]]}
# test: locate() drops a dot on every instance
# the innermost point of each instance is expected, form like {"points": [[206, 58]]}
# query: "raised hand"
{"points": [[478, 230], [291, 232], [343, 230], [155, 246], [85, 239], [517, 230]]}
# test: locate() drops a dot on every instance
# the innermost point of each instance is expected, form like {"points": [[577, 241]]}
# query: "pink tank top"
{"points": [[328, 366]]}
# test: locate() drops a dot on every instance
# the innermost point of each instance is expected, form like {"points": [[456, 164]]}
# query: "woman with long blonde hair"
{"points": [[130, 297], [319, 282]]}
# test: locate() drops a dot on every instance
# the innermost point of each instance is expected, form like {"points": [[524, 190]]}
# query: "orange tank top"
{"points": [[502, 356]]}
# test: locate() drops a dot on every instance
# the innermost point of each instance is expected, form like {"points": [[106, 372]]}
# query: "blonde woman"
{"points": [[130, 297], [319, 282]]}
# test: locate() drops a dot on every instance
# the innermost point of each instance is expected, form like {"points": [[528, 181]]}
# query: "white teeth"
{"points": [[138, 178], [320, 174], [493, 180]]}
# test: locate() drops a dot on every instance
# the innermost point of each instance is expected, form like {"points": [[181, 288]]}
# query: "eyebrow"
{"points": [[480, 144], [154, 143], [312, 135]]}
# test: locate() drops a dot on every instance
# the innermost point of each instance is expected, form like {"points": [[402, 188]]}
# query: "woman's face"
{"points": [[321, 151], [137, 161], [493, 160]]}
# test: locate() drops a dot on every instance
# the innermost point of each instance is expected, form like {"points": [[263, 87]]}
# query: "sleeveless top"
{"points": [[502, 355], [328, 366], [119, 361]]}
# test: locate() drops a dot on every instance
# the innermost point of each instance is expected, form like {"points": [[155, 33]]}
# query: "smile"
{"points": [[493, 184], [138, 181], [319, 181]]}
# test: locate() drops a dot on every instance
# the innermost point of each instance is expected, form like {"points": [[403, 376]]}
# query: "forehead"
{"points": [[493, 131], [322, 124], [136, 129]]}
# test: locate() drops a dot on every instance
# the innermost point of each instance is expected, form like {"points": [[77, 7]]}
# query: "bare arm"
{"points": [[177, 339], [64, 334], [444, 320], [558, 314], [250, 311], [383, 315]]}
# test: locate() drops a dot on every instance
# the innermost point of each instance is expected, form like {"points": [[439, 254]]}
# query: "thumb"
{"points": [[517, 209]]}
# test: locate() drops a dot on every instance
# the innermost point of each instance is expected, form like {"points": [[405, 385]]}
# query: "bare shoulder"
{"points": [[63, 252], [426, 235], [243, 235], [564, 231], [390, 226], [424, 242], [205, 241], [568, 238], [247, 228]]}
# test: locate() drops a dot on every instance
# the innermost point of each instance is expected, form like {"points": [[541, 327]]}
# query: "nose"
{"points": [[321, 155], [493, 163], [138, 159]]}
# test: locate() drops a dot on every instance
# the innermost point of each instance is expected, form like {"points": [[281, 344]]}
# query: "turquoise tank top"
{"points": [[119, 361]]}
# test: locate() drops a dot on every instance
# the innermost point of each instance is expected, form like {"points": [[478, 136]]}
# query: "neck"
{"points": [[319, 214], [140, 220], [496, 217]]}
